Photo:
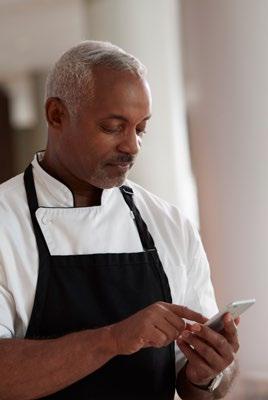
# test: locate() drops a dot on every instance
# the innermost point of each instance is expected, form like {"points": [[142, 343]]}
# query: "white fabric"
{"points": [[85, 230]]}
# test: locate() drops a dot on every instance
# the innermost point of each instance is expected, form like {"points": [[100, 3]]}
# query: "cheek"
{"points": [[102, 148], [93, 154], [89, 148], [76, 152]]}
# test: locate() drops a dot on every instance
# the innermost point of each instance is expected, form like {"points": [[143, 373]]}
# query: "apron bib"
{"points": [[77, 292]]}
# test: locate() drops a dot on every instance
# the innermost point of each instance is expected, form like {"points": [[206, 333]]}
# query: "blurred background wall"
{"points": [[207, 65], [226, 80]]}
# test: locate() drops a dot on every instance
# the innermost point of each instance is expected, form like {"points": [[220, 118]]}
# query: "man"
{"points": [[97, 276]]}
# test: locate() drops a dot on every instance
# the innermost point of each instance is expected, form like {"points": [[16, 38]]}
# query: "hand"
{"points": [[207, 351], [155, 326]]}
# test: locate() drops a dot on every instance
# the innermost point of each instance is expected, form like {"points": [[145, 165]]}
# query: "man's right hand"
{"points": [[59, 362], [154, 326]]}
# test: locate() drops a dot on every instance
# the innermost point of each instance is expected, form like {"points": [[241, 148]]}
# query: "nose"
{"points": [[130, 143]]}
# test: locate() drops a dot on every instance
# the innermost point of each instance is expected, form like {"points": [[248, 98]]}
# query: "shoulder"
{"points": [[13, 209], [143, 195], [12, 197], [11, 185], [157, 205], [168, 217]]}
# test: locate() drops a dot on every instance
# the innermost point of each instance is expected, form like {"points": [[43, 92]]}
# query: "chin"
{"points": [[109, 183], [114, 183]]}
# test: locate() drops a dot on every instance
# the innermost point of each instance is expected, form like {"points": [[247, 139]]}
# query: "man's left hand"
{"points": [[208, 352]]}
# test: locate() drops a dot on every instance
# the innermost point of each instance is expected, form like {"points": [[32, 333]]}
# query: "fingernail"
{"points": [[186, 334], [196, 328]]}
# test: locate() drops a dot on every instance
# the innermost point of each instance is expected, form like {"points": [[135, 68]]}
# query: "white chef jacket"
{"points": [[107, 228]]}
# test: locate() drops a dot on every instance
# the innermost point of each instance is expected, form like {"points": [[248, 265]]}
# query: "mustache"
{"points": [[123, 158]]}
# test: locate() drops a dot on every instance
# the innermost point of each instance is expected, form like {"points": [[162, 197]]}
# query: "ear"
{"points": [[56, 112]]}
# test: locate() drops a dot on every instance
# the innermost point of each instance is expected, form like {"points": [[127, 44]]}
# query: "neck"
{"points": [[85, 195]]}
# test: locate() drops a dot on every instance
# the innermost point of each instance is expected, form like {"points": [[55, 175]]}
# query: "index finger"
{"points": [[185, 312]]}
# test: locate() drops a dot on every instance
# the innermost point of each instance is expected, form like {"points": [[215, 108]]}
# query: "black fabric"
{"points": [[77, 292]]}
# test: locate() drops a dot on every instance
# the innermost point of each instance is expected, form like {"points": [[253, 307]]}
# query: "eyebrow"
{"points": [[122, 118]]}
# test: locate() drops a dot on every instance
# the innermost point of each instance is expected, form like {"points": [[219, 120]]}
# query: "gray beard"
{"points": [[102, 181]]}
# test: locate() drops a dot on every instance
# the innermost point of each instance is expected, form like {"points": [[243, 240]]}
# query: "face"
{"points": [[100, 146]]}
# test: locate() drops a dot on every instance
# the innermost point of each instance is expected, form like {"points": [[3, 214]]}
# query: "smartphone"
{"points": [[235, 309]]}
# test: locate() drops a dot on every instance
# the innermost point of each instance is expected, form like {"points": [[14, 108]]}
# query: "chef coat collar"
{"points": [[61, 194]]}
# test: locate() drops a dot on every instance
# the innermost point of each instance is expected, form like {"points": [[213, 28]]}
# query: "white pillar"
{"points": [[149, 29], [227, 80]]}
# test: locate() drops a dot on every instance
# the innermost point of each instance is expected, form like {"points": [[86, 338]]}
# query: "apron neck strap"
{"points": [[146, 238], [33, 206]]}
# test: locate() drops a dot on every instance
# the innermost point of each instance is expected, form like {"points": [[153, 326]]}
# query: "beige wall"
{"points": [[226, 78]]}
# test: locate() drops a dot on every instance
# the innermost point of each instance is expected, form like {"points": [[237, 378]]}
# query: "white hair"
{"points": [[71, 78]]}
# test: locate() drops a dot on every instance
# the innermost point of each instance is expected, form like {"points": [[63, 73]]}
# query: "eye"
{"points": [[110, 129], [140, 132]]}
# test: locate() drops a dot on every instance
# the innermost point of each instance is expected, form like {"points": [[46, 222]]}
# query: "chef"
{"points": [[97, 275]]}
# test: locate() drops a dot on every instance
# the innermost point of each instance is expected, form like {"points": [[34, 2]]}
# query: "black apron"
{"points": [[78, 292]]}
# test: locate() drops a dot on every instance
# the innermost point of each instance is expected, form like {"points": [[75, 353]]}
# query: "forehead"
{"points": [[120, 92]]}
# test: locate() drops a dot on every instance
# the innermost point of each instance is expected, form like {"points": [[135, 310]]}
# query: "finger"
{"points": [[211, 357], [155, 338], [184, 312], [167, 329], [230, 332], [215, 340], [198, 370], [178, 323], [167, 310]]}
